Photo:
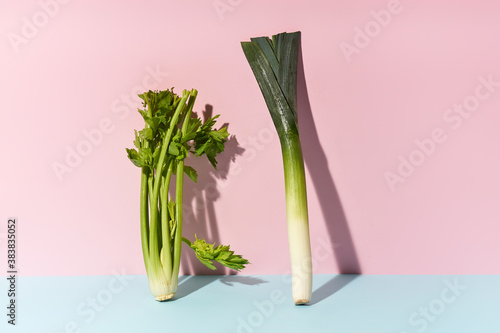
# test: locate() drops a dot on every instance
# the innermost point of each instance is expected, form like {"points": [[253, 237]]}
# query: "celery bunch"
{"points": [[170, 134]]}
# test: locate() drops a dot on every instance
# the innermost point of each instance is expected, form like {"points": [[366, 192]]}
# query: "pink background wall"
{"points": [[371, 96]]}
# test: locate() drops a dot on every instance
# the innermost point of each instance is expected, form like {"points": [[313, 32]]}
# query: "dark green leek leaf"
{"points": [[268, 50], [279, 91]]}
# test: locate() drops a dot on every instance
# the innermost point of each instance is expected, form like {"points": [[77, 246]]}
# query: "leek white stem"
{"points": [[297, 218]]}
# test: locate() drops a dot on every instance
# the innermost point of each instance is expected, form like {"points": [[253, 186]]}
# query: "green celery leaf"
{"points": [[156, 156], [146, 134], [137, 141], [153, 123], [146, 156], [191, 173], [206, 252], [173, 149], [133, 155]]}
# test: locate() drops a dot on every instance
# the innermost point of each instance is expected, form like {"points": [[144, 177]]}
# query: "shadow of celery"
{"points": [[189, 284], [230, 280], [199, 211]]}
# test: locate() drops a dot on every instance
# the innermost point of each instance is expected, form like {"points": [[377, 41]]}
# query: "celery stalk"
{"points": [[171, 133]]}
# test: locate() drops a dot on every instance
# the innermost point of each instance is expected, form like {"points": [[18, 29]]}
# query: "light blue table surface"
{"points": [[245, 304]]}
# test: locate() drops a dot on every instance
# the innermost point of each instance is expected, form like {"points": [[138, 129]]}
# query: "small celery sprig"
{"points": [[206, 252], [170, 135]]}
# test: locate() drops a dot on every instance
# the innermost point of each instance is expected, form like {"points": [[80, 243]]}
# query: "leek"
{"points": [[274, 64], [171, 133]]}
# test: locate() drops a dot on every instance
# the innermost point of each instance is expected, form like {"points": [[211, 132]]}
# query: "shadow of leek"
{"points": [[331, 287], [333, 213]]}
